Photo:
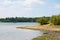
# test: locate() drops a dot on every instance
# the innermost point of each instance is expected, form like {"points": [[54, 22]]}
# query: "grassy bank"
{"points": [[49, 36]]}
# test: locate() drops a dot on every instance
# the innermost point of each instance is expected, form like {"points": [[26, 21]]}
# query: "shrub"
{"points": [[55, 20], [43, 20]]}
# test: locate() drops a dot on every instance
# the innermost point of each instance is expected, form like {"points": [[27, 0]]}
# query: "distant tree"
{"points": [[17, 19]]}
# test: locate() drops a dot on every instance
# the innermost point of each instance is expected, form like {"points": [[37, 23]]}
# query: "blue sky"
{"points": [[29, 8]]}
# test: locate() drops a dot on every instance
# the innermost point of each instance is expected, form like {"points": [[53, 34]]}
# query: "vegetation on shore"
{"points": [[45, 37], [48, 36], [53, 20], [18, 19], [43, 20]]}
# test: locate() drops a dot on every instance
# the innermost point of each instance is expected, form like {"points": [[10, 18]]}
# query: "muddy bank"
{"points": [[49, 36]]}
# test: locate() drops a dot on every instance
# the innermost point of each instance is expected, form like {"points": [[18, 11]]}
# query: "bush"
{"points": [[55, 20], [43, 20]]}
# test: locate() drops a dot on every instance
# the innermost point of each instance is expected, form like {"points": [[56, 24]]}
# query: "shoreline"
{"points": [[50, 32], [49, 36], [41, 28]]}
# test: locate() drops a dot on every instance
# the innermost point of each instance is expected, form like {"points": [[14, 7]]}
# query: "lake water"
{"points": [[8, 31]]}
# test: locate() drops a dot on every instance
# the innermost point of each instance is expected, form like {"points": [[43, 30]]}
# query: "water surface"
{"points": [[8, 31]]}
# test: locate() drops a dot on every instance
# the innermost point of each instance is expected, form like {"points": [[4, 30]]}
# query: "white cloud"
{"points": [[57, 6], [10, 3], [27, 3], [10, 12], [15, 8]]}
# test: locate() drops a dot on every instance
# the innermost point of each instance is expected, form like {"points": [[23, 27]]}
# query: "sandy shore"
{"points": [[41, 27], [51, 32]]}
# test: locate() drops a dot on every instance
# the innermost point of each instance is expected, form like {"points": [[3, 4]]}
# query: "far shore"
{"points": [[55, 28]]}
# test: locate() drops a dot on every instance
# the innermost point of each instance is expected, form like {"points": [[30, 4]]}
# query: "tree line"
{"points": [[53, 20], [18, 19]]}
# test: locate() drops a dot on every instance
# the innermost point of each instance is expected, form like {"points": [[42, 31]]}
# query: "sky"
{"points": [[29, 8]]}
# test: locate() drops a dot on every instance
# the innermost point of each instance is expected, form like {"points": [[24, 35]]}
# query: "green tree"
{"points": [[43, 20], [55, 20]]}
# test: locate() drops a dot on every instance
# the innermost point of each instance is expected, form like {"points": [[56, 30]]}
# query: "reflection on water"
{"points": [[11, 33]]}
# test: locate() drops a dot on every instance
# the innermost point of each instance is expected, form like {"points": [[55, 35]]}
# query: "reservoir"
{"points": [[8, 31]]}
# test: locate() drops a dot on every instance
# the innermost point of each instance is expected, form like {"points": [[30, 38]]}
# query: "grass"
{"points": [[46, 37]]}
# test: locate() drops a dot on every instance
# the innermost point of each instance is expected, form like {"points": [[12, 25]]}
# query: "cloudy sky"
{"points": [[29, 8]]}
